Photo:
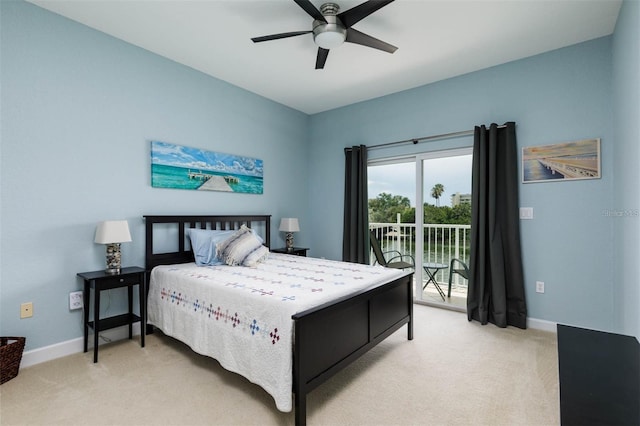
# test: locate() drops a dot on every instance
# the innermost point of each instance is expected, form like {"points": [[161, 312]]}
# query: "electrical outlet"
{"points": [[26, 310], [539, 287], [75, 300]]}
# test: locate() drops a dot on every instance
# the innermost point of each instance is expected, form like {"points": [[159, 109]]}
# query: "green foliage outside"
{"points": [[385, 207]]}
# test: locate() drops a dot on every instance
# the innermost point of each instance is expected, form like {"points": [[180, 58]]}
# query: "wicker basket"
{"points": [[10, 356]]}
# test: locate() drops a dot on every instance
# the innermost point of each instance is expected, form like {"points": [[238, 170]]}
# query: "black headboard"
{"points": [[184, 254]]}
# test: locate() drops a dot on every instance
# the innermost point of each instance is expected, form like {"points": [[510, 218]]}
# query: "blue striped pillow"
{"points": [[242, 248]]}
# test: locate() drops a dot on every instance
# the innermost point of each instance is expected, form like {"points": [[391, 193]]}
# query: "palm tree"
{"points": [[436, 192]]}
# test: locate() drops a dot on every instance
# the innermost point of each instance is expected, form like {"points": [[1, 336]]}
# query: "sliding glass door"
{"points": [[421, 206], [446, 213], [392, 207]]}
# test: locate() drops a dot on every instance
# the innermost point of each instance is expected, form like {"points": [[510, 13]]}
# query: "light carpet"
{"points": [[454, 372]]}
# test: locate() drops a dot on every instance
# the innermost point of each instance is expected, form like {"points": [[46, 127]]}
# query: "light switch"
{"points": [[526, 212]]}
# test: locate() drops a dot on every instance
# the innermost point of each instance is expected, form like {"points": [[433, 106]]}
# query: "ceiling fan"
{"points": [[330, 29]]}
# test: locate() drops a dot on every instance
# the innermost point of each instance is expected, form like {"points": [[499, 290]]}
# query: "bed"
{"points": [[314, 339]]}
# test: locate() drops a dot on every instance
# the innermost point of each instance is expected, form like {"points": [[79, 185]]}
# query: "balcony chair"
{"points": [[396, 261], [462, 269]]}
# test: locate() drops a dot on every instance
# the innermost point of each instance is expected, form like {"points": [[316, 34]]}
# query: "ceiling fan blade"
{"points": [[357, 13], [321, 58], [355, 36], [310, 9], [279, 36]]}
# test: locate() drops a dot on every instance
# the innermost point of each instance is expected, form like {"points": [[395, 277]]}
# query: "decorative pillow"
{"points": [[242, 248], [258, 255], [203, 245]]}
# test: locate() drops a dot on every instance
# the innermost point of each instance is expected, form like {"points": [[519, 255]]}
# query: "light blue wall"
{"points": [[78, 111], [626, 121], [564, 95], [79, 108]]}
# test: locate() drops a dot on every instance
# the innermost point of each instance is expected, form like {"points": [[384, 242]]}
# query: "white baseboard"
{"points": [[544, 325], [73, 346]]}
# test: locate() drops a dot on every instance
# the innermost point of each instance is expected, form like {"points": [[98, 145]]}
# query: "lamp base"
{"points": [[113, 258], [289, 241]]}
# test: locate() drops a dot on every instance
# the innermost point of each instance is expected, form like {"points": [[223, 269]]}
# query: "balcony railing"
{"points": [[442, 242]]}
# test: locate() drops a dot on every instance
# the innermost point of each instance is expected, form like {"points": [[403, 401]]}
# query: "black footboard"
{"points": [[331, 336]]}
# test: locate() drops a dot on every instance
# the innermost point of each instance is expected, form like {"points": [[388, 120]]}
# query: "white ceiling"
{"points": [[436, 39]]}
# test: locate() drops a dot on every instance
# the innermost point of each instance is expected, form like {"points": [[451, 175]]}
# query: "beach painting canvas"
{"points": [[561, 162], [181, 167]]}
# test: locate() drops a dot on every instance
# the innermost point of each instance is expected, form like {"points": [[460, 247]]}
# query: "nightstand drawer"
{"points": [[119, 281]]}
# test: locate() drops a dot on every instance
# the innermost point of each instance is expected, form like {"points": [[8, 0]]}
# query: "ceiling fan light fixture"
{"points": [[330, 29], [329, 39], [330, 34]]}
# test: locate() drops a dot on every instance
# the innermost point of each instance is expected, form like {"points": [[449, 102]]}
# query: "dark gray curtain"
{"points": [[355, 242], [496, 284]]}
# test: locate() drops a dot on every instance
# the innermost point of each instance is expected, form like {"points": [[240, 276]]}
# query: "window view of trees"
{"points": [[385, 207], [446, 190], [436, 192]]}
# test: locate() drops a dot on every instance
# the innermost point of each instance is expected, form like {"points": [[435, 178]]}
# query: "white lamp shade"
{"points": [[113, 231], [289, 224]]}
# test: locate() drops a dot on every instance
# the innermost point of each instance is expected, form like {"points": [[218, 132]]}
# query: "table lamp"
{"points": [[289, 225], [112, 233]]}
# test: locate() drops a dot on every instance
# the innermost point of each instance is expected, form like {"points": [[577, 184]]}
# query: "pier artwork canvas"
{"points": [[181, 167], [561, 162]]}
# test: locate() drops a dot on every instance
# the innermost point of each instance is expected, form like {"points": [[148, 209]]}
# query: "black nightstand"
{"points": [[296, 251], [100, 280]]}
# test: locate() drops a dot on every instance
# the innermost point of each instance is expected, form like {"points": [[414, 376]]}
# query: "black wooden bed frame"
{"points": [[327, 337]]}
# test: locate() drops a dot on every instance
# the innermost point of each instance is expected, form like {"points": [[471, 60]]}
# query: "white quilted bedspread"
{"points": [[242, 316]]}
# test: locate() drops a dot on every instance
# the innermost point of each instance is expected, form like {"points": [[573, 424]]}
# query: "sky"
{"points": [[454, 173], [194, 158]]}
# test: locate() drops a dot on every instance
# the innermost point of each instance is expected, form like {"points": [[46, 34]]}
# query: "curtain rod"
{"points": [[415, 141]]}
